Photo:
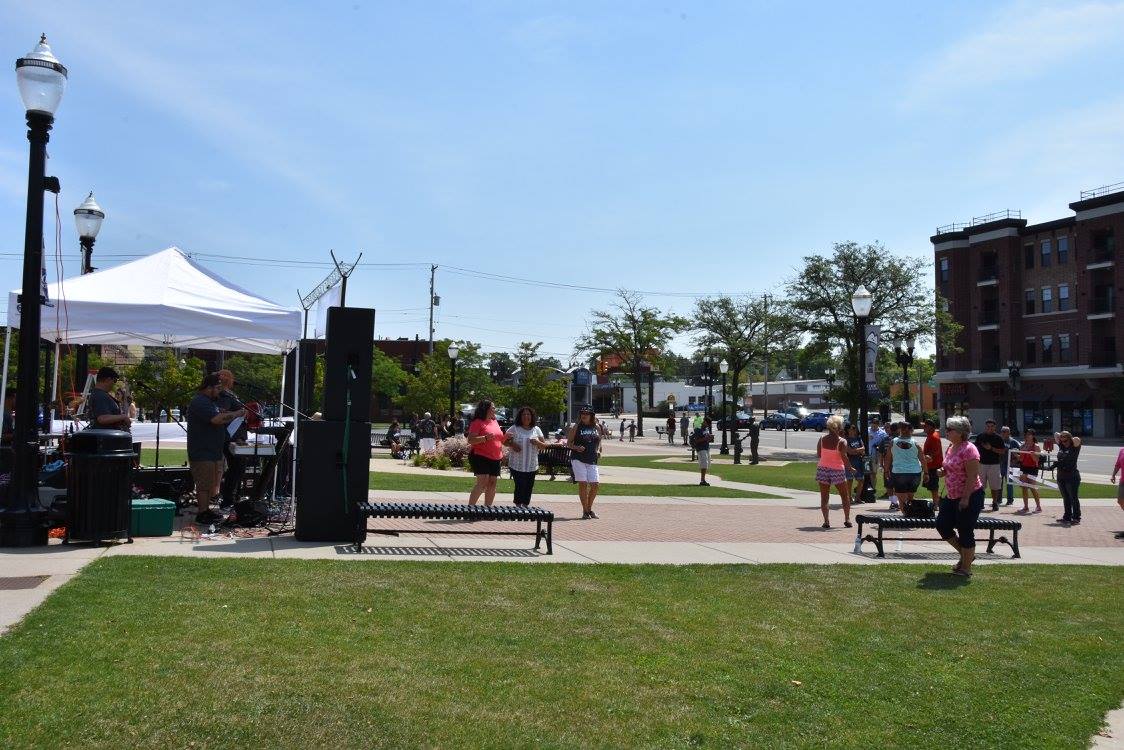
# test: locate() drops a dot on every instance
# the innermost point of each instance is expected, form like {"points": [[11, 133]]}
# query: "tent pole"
{"points": [[7, 349], [280, 413], [55, 382]]}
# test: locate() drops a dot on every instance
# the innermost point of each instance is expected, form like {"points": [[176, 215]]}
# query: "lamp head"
{"points": [[723, 367], [454, 351], [88, 217], [862, 301], [41, 79]]}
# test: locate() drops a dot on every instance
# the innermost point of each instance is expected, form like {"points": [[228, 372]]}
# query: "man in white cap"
{"points": [[427, 433]]}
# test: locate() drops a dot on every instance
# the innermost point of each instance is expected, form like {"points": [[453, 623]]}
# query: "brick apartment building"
{"points": [[1042, 323]]}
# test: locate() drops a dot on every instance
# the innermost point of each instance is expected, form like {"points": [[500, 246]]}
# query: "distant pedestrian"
{"points": [[426, 431], [831, 450], [1117, 468], [684, 427], [964, 494], [632, 431], [877, 441], [754, 439], [1009, 444], [1028, 463], [671, 429], [620, 437], [526, 440], [585, 440], [934, 458], [856, 453], [907, 466], [700, 441], [1069, 478], [991, 449]]}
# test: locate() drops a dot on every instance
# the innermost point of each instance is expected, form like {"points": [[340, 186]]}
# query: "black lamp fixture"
{"points": [[1014, 377], [41, 79], [903, 355], [829, 375], [861, 303], [454, 352], [724, 367], [87, 219]]}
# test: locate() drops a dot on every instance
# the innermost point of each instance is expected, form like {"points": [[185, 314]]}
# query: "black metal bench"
{"points": [[557, 457], [461, 512], [901, 523]]}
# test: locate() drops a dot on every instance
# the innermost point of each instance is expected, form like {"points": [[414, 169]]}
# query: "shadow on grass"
{"points": [[933, 581], [398, 550]]}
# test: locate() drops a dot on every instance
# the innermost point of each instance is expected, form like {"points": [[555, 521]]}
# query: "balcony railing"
{"points": [[988, 273], [1103, 303], [1103, 253], [989, 318], [1105, 358], [989, 364]]}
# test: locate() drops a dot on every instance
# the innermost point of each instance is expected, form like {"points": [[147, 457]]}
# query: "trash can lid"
{"points": [[100, 441]]}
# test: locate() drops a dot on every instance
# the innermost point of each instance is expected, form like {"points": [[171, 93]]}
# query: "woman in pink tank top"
{"points": [[831, 469]]}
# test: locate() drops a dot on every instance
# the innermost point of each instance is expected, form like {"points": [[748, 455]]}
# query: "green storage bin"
{"points": [[152, 517]]}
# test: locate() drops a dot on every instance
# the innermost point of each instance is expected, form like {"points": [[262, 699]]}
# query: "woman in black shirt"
{"points": [[584, 439], [1069, 478]]}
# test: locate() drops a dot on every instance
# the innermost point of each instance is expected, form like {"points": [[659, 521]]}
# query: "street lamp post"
{"points": [[454, 352], [903, 354], [42, 80], [1014, 371], [87, 218], [861, 302], [829, 374], [708, 390], [724, 367]]}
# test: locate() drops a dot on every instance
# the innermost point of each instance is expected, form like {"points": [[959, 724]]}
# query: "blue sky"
{"points": [[684, 148]]}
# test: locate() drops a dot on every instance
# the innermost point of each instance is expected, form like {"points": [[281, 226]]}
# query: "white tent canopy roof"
{"points": [[164, 299]]}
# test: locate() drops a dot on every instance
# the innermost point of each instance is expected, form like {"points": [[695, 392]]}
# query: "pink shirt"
{"points": [[492, 447], [954, 471], [830, 458], [1120, 460]]}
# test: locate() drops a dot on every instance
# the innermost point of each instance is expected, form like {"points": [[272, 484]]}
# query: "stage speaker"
{"points": [[347, 364], [303, 399], [326, 512]]}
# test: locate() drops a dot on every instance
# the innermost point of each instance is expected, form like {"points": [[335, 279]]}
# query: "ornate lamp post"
{"points": [[709, 391], [861, 302], [829, 374], [1014, 370], [87, 218], [724, 367], [454, 352], [903, 354], [42, 80]]}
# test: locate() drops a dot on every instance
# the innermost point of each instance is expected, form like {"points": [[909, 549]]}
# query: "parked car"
{"points": [[780, 420], [739, 421], [817, 421]]}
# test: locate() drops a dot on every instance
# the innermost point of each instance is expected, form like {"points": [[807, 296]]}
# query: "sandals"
{"points": [[826, 526], [848, 524]]}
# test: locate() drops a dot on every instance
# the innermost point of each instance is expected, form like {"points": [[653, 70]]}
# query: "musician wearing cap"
{"points": [[206, 438], [104, 410]]}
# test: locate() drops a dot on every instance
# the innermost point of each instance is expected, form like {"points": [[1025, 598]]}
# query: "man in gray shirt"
{"points": [[105, 412], [206, 438]]}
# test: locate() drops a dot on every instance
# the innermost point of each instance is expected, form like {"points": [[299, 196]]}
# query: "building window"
{"points": [[1063, 250], [1028, 256], [1047, 349], [1031, 352], [1028, 304], [944, 304], [1063, 297], [1065, 354], [1047, 248], [1038, 415], [944, 270], [1047, 299]]}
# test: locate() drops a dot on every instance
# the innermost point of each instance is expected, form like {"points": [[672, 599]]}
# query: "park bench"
{"points": [[460, 512], [902, 523], [557, 457]]}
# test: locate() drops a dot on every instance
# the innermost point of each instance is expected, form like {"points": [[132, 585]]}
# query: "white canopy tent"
{"points": [[164, 299]]}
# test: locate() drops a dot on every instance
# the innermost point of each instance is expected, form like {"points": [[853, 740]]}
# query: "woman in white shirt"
{"points": [[525, 440]]}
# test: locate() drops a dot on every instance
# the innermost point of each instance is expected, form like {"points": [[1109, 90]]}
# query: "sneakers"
{"points": [[704, 483], [894, 505], [591, 514], [586, 515]]}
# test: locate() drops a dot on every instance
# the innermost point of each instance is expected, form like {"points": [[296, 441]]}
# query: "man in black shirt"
{"points": [[105, 413], [235, 465], [206, 438], [992, 450]]}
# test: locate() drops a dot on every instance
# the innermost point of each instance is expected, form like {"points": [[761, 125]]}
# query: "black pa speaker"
{"points": [[303, 399], [347, 364], [326, 511]]}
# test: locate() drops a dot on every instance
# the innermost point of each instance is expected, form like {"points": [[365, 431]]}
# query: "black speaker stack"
{"points": [[334, 454]]}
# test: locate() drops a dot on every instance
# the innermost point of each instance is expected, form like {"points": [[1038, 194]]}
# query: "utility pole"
{"points": [[766, 298], [432, 273]]}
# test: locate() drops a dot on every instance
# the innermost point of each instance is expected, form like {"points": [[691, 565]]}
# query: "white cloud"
{"points": [[1018, 43]]}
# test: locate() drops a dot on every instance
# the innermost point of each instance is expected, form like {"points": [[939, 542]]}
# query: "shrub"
{"points": [[455, 449], [418, 459], [442, 462]]}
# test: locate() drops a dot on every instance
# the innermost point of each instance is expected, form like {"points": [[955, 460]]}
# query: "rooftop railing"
{"points": [[953, 227], [1102, 190], [996, 216]]}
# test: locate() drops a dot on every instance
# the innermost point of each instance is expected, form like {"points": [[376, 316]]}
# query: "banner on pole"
{"points": [[873, 332]]}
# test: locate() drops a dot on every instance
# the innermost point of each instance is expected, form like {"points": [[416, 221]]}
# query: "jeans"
{"points": [[1068, 485], [524, 484]]}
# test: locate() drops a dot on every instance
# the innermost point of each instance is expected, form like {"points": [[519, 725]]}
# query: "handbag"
{"points": [[918, 508]]}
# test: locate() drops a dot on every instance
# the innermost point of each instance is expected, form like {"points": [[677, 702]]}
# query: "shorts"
{"points": [[953, 522], [206, 475], [584, 472], [1028, 472], [905, 482], [825, 475], [484, 466], [428, 445], [704, 459], [992, 476], [933, 482]]}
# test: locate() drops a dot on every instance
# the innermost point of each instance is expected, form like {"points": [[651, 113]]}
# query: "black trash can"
{"points": [[99, 486]]}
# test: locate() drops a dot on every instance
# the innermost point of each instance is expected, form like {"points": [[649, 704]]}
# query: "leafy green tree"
{"points": [[501, 366], [633, 332], [387, 376], [428, 388], [819, 302], [258, 375], [162, 380], [547, 397], [742, 330]]}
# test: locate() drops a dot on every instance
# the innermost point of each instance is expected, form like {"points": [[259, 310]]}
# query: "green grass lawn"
{"points": [[797, 475], [168, 456], [146, 652], [456, 480]]}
